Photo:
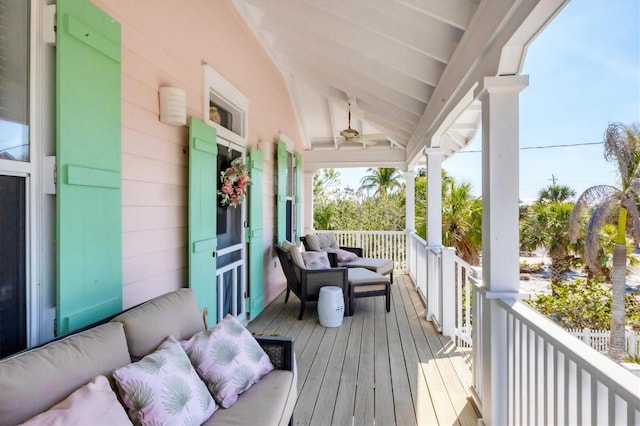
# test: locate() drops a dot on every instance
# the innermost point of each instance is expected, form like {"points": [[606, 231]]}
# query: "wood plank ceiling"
{"points": [[387, 59]]}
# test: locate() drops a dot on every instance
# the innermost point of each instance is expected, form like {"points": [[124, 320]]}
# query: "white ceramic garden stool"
{"points": [[330, 306]]}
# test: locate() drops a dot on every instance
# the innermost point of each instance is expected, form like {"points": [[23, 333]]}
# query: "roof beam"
{"points": [[321, 159], [395, 23], [453, 12]]}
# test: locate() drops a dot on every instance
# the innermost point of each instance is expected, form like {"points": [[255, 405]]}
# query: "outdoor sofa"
{"points": [[348, 257], [33, 381]]}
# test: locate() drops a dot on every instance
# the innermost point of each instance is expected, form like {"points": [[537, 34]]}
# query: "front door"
{"points": [[231, 254]]}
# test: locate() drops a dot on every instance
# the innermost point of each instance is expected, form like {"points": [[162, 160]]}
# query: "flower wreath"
{"points": [[235, 180]]}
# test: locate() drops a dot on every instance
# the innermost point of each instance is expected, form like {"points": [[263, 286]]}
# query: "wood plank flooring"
{"points": [[376, 368]]}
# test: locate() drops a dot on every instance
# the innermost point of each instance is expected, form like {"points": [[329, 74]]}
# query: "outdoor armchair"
{"points": [[306, 283]]}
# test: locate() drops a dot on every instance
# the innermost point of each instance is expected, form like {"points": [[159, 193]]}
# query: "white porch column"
{"points": [[307, 205], [410, 204], [500, 234], [410, 212], [434, 196], [434, 236]]}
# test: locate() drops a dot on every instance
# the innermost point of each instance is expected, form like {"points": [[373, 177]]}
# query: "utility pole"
{"points": [[553, 179]]}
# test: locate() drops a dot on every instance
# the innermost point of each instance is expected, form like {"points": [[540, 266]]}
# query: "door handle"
{"points": [[213, 254]]}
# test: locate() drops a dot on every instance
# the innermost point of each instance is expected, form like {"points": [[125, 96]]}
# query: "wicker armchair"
{"points": [[306, 283]]}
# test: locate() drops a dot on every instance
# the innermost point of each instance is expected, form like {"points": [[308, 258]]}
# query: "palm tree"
{"points": [[605, 203], [461, 219], [381, 181], [546, 223], [324, 179]]}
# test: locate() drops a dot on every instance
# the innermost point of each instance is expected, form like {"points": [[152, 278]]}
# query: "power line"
{"points": [[522, 148]]}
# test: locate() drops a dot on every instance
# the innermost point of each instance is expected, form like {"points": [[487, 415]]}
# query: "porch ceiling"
{"points": [[409, 68]]}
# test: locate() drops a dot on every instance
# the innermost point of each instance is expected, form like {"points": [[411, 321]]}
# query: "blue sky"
{"points": [[584, 72]]}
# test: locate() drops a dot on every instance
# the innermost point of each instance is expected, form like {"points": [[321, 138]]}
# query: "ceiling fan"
{"points": [[352, 135]]}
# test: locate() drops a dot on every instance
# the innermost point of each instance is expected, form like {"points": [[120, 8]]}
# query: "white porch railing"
{"points": [[529, 372], [416, 263], [464, 291], [378, 244], [526, 369]]}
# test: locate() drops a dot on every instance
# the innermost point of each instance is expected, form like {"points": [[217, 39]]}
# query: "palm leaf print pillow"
{"points": [[163, 388], [228, 358]]}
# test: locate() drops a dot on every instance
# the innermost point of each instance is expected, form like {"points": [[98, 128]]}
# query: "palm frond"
{"points": [[243, 376], [232, 327], [140, 393], [225, 351], [253, 350], [152, 364], [630, 203], [176, 394], [604, 213], [587, 200], [621, 144]]}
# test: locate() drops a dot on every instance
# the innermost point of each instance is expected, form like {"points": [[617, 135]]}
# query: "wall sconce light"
{"points": [[173, 106]]}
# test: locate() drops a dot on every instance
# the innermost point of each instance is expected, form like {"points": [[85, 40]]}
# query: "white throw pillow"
{"points": [[228, 358], [163, 388], [93, 404]]}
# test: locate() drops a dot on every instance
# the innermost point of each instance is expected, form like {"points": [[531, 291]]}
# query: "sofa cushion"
{"points": [[316, 260], [228, 358], [321, 242], [269, 402], [295, 252], [93, 404], [34, 381], [163, 388], [147, 326], [313, 242]]}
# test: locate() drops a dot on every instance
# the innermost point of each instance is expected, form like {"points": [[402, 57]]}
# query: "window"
{"points": [[14, 80], [225, 108]]}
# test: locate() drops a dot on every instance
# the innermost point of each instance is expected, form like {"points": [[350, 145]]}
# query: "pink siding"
{"points": [[165, 43]]}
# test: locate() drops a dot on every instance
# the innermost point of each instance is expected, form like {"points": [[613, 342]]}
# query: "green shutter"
{"points": [[88, 129], [298, 194], [203, 175], [255, 236], [282, 191]]}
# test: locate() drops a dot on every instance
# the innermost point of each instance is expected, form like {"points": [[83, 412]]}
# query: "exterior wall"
{"points": [[165, 43]]}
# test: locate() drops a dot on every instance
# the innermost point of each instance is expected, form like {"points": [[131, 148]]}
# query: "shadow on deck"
{"points": [[384, 368]]}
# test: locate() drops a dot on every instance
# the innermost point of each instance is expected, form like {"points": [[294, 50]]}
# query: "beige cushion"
{"points": [[268, 402], [313, 242], [322, 242], [380, 266], [369, 287], [365, 276], [148, 325], [330, 240], [316, 260], [296, 254], [35, 381], [93, 404]]}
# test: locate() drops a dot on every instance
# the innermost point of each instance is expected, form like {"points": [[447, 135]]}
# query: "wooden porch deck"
{"points": [[377, 368]]}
